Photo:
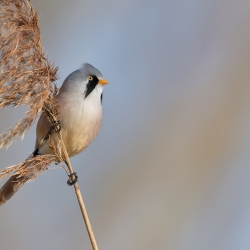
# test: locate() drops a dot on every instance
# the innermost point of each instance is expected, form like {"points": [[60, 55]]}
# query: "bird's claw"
{"points": [[73, 178], [56, 127]]}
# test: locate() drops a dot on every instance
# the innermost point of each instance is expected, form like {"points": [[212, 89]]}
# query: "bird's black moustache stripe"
{"points": [[91, 85]]}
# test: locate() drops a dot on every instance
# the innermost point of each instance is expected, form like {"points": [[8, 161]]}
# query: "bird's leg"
{"points": [[73, 178]]}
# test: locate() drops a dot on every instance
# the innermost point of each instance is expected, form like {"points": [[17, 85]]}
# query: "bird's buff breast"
{"points": [[80, 126]]}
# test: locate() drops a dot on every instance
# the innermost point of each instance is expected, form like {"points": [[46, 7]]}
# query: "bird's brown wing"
{"points": [[42, 130]]}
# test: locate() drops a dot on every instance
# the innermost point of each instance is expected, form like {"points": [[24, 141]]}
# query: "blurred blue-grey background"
{"points": [[170, 168]]}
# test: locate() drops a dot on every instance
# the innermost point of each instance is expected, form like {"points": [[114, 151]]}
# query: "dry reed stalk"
{"points": [[62, 154], [25, 79]]}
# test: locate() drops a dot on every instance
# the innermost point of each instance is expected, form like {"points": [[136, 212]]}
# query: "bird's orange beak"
{"points": [[103, 81]]}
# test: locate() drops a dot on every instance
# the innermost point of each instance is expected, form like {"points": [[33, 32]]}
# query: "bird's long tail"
{"points": [[10, 188], [24, 172], [12, 185]]}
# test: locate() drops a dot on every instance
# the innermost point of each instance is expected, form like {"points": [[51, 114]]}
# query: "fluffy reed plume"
{"points": [[29, 169], [25, 72], [26, 78]]}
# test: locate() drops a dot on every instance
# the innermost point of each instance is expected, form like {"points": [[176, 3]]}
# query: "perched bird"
{"points": [[79, 113]]}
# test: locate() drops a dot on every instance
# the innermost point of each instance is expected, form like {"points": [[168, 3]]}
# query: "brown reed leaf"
{"points": [[25, 73]]}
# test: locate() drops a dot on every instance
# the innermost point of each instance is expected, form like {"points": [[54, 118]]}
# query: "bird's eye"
{"points": [[90, 78]]}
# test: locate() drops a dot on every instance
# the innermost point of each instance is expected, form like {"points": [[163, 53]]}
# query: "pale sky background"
{"points": [[170, 168]]}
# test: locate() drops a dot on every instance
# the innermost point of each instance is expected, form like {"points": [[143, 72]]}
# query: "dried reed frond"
{"points": [[25, 72], [29, 169]]}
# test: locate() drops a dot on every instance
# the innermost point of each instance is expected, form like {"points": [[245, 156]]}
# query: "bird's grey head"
{"points": [[84, 80]]}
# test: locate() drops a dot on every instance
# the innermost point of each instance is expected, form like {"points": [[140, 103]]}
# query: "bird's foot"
{"points": [[73, 178], [56, 127]]}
